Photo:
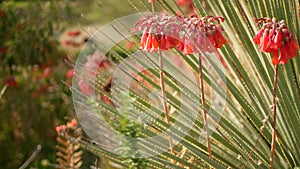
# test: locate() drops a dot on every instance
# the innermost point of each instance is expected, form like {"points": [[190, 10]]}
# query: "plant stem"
{"points": [[3, 90], [153, 6], [203, 105], [32, 157], [164, 99], [274, 118]]}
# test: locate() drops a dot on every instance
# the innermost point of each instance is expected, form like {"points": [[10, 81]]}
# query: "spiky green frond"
{"points": [[241, 130]]}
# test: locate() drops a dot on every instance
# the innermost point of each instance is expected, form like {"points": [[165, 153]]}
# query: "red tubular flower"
{"points": [[186, 46], [171, 42], [152, 43], [276, 39], [265, 40], [144, 40], [155, 43], [149, 42], [293, 47], [219, 39], [257, 36]]}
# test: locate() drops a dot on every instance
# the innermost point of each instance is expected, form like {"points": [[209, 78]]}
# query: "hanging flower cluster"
{"points": [[162, 33], [201, 34], [275, 37], [159, 32]]}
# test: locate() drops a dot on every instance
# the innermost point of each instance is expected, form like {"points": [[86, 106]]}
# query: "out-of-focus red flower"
{"points": [[73, 33], [71, 43], [183, 2], [151, 1], [11, 81], [43, 89], [70, 73], [2, 14], [73, 123], [46, 72], [105, 64], [67, 42], [186, 3], [34, 94], [129, 45], [275, 37], [60, 128], [107, 100], [3, 50], [77, 44], [95, 62], [85, 88]]}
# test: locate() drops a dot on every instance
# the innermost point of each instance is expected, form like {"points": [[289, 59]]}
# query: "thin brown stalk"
{"points": [[164, 99], [153, 6], [204, 114], [274, 118], [3, 90]]}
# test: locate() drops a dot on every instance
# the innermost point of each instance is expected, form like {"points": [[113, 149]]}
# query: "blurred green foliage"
{"points": [[33, 95], [33, 100]]}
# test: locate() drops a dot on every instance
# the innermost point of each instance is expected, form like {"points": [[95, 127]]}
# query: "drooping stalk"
{"points": [[204, 114], [274, 118], [164, 98]]}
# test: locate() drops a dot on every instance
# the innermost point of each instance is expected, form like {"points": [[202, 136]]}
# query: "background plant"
{"points": [[243, 136], [36, 72], [33, 99]]}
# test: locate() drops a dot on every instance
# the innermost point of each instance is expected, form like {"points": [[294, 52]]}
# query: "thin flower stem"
{"points": [[153, 6], [203, 105], [164, 99], [274, 118]]}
